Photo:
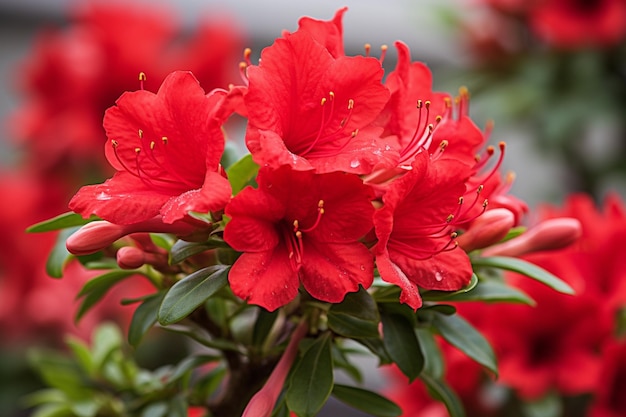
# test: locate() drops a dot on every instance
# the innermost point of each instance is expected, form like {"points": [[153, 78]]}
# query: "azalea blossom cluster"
{"points": [[364, 202], [353, 172], [566, 352]]}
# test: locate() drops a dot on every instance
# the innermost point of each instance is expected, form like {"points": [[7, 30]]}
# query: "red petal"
{"points": [[330, 271], [122, 199], [264, 278]]}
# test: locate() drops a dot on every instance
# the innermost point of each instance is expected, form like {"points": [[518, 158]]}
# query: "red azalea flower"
{"points": [[609, 399], [416, 119], [579, 23], [415, 227], [312, 111], [300, 227], [166, 148]]}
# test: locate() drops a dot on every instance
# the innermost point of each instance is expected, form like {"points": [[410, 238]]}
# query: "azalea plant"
{"points": [[365, 207]]}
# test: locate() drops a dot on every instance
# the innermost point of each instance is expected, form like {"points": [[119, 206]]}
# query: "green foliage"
{"points": [[402, 345], [525, 268], [96, 288], [367, 401], [104, 380], [242, 173], [190, 292], [59, 255], [312, 379], [62, 221], [356, 317]]}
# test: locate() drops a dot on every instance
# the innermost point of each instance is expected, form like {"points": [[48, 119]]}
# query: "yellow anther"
{"points": [[350, 104], [443, 145], [299, 234], [323, 101], [142, 76], [356, 132], [152, 145], [114, 143], [438, 119], [485, 203], [449, 218], [427, 104], [164, 140], [367, 47], [463, 92], [247, 53], [480, 189], [419, 104], [137, 150], [331, 94]]}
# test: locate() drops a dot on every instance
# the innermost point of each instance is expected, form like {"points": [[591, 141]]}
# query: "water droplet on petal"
{"points": [[438, 276], [362, 267], [355, 163]]}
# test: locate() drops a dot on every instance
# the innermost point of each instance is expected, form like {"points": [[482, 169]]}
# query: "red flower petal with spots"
{"points": [[416, 247], [166, 148], [300, 228], [312, 111]]}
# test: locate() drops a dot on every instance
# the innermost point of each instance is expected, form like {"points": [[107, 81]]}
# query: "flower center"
{"points": [[294, 236], [153, 165], [331, 137]]}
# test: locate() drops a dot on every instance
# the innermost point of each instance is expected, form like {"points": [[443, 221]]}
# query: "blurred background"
{"points": [[559, 107]]}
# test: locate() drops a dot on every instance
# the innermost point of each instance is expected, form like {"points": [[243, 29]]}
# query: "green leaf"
{"points": [[190, 292], [461, 334], [59, 256], [178, 407], [312, 380], [355, 317], [440, 391], [341, 361], [263, 325], [433, 359], [241, 173], [366, 401], [377, 347], [525, 268], [107, 338], [490, 290], [183, 249], [62, 221], [402, 344], [97, 287], [82, 353], [144, 318]]}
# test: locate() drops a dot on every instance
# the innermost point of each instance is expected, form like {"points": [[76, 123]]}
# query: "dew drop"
{"points": [[438, 276], [362, 267], [354, 164]]}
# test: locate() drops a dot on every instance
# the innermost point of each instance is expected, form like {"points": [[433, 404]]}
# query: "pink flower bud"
{"points": [[262, 403], [130, 257], [93, 237], [548, 235], [487, 229], [100, 234]]}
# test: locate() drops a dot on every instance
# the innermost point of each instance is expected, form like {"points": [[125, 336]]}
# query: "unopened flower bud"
{"points": [[548, 235], [130, 257], [487, 229], [100, 234], [262, 403], [93, 237]]}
